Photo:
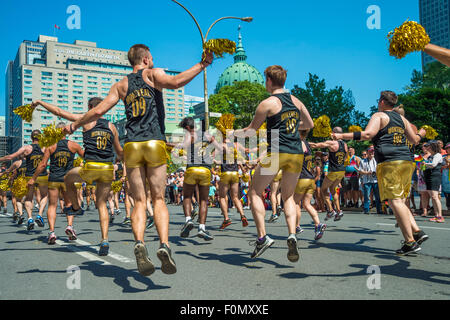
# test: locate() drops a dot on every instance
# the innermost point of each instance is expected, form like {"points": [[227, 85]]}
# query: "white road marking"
{"points": [[81, 252], [113, 255], [393, 225]]}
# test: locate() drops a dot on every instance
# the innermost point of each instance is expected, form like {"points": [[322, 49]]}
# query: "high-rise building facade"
{"points": [[435, 18], [68, 75]]}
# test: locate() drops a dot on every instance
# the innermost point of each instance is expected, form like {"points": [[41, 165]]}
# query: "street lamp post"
{"points": [[204, 40]]}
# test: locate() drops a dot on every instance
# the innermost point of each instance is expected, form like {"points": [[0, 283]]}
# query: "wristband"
{"points": [[357, 135], [420, 136]]}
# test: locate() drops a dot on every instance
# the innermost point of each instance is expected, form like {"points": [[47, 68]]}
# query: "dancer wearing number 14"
{"points": [[145, 148]]}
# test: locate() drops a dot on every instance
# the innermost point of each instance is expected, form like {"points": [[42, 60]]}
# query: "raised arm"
{"points": [[373, 127], [260, 116], [97, 112], [439, 53], [19, 153], [321, 145], [57, 111]]}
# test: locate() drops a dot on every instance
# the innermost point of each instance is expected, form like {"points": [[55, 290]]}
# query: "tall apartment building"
{"points": [[435, 17], [68, 75]]}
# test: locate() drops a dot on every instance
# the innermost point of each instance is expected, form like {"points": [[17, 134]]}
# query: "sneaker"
{"points": [[83, 205], [20, 221], [164, 254], [104, 248], [298, 230], [151, 223], [292, 255], [440, 220], [338, 216], [144, 264], [126, 221], [273, 218], [88, 208], [40, 221], [261, 247], [194, 211], [433, 219], [188, 226], [244, 221], [70, 231], [117, 212], [30, 224], [4, 210], [51, 238], [319, 230], [225, 224], [420, 237], [330, 214], [69, 211], [408, 248], [279, 211], [111, 218], [205, 235], [15, 217]]}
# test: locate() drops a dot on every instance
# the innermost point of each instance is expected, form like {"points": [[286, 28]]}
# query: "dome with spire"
{"points": [[240, 70]]}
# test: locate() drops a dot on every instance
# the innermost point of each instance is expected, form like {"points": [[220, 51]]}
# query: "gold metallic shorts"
{"points": [[394, 179], [145, 154], [287, 162], [229, 177], [57, 185], [335, 176], [98, 172], [198, 175], [78, 185], [305, 186], [279, 176], [41, 181]]}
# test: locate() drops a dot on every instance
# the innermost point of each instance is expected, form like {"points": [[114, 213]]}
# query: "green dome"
{"points": [[240, 70]]}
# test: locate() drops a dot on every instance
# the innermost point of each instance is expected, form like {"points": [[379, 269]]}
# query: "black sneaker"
{"points": [[126, 221], [111, 218], [20, 221], [69, 211], [338, 216], [144, 264], [420, 237], [164, 254], [15, 217], [150, 223], [292, 255], [408, 248], [205, 235], [261, 247], [188, 226]]}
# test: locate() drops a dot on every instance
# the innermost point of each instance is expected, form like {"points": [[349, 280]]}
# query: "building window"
{"points": [[26, 71]]}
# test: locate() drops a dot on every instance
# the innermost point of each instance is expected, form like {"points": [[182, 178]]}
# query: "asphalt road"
{"points": [[340, 266]]}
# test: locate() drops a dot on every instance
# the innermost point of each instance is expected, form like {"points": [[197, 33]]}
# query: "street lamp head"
{"points": [[247, 19]]}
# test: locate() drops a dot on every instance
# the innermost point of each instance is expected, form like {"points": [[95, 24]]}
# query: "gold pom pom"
{"points": [[4, 183], [246, 178], [220, 46], [407, 38], [78, 162], [322, 128], [116, 186], [431, 133], [355, 129], [50, 135], [25, 112], [20, 187], [226, 122]]}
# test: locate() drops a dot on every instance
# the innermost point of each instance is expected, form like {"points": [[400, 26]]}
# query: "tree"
{"points": [[240, 99], [436, 75]]}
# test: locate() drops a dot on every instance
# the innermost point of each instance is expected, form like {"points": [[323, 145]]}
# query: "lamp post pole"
{"points": [[204, 40]]}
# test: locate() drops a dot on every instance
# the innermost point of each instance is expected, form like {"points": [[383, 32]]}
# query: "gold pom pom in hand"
{"points": [[116, 186], [322, 127], [19, 187], [77, 162], [25, 112], [4, 184], [220, 46], [431, 133], [50, 135], [407, 38], [355, 129], [226, 122]]}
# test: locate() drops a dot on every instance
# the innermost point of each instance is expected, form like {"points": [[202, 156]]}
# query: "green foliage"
{"points": [[240, 99], [436, 76]]}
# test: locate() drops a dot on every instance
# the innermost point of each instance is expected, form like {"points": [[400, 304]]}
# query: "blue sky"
{"points": [[328, 38]]}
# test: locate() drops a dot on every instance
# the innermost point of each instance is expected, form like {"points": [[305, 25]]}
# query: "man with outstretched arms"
{"points": [[145, 148]]}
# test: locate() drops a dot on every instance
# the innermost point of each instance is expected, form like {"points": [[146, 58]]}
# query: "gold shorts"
{"points": [[57, 185], [90, 186], [394, 179], [229, 177], [305, 186], [78, 185], [150, 154], [97, 172], [279, 176], [287, 162], [335, 176], [198, 175], [41, 181]]}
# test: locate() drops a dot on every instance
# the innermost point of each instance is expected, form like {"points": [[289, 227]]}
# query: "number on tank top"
{"points": [[139, 107]]}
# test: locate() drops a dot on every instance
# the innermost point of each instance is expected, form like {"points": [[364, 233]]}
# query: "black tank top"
{"points": [[61, 161], [391, 143], [307, 164], [229, 166], [98, 142], [33, 160], [119, 172], [198, 155], [22, 170], [144, 109], [337, 159], [287, 122]]}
